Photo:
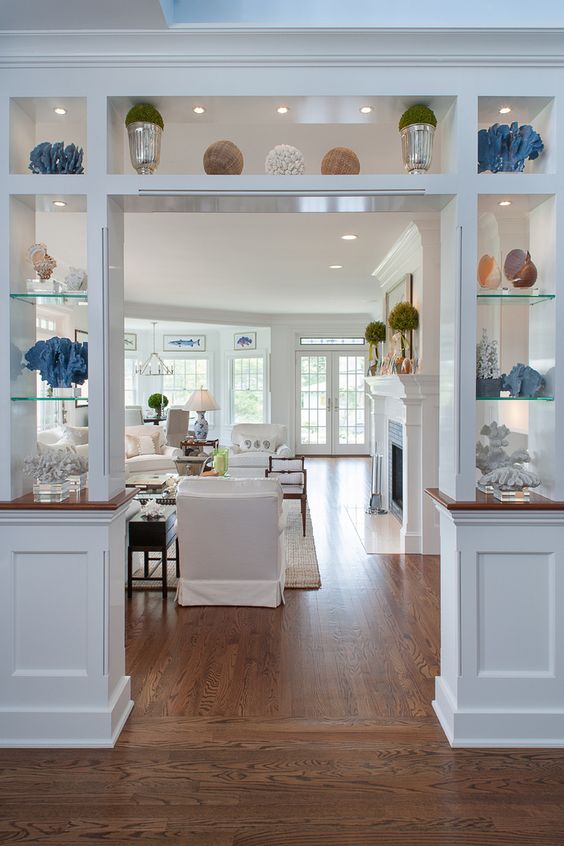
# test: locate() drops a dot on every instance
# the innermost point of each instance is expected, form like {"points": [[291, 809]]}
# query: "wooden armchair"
{"points": [[292, 475]]}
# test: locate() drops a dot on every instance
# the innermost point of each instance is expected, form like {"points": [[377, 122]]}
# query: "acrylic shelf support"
{"points": [[515, 399]]}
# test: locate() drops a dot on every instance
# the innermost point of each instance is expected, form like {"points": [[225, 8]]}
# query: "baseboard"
{"points": [[500, 729], [79, 728]]}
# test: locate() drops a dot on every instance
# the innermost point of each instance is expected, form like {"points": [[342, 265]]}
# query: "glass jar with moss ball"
{"points": [[403, 319], [417, 131], [374, 335], [144, 128]]}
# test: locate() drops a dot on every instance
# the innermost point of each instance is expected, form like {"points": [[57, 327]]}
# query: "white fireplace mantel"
{"points": [[412, 400]]}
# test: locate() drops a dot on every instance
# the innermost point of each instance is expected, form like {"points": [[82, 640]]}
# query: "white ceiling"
{"points": [[274, 263]]}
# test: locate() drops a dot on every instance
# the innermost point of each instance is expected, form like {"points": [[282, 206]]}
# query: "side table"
{"points": [[151, 536]]}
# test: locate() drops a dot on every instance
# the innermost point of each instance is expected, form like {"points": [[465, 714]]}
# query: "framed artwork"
{"points": [[82, 336], [245, 341], [401, 292], [177, 343], [130, 341]]}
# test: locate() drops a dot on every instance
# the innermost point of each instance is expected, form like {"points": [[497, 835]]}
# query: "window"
{"points": [[130, 382], [189, 374], [332, 342], [247, 389]]}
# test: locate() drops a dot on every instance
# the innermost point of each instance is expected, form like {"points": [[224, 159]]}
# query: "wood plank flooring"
{"points": [[306, 725]]}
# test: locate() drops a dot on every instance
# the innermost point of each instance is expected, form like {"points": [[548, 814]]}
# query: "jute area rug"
{"points": [[302, 569]]}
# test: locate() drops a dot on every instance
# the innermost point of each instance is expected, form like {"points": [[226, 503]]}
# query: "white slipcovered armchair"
{"points": [[253, 444], [231, 542], [146, 450]]}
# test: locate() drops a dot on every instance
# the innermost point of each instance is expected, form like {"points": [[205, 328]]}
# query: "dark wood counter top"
{"points": [[487, 502], [77, 502]]}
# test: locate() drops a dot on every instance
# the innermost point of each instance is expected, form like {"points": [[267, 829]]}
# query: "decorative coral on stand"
{"points": [[488, 378], [284, 160], [506, 148], [503, 474], [54, 157], [60, 361]]}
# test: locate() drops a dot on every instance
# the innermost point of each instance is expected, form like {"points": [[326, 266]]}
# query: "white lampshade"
{"points": [[201, 401]]}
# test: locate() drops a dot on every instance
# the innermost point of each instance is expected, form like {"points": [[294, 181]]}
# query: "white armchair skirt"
{"points": [[231, 535]]}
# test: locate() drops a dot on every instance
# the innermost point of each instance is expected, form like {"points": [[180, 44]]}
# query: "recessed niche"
{"points": [[35, 119], [535, 111]]}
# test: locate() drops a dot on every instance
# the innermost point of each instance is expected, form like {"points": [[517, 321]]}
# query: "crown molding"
{"points": [[270, 47], [392, 265]]}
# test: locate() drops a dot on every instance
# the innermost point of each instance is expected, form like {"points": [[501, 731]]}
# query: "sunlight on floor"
{"points": [[378, 533]]}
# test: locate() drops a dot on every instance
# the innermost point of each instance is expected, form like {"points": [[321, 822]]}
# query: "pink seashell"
{"points": [[489, 274]]}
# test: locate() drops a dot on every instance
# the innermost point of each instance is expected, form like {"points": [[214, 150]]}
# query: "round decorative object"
{"points": [[340, 160], [284, 160], [520, 269], [489, 274], [223, 158]]}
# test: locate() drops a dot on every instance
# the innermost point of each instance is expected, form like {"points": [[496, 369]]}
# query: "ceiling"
{"points": [[271, 263]]}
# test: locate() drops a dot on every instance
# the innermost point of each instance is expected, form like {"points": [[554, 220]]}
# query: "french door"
{"points": [[330, 403]]}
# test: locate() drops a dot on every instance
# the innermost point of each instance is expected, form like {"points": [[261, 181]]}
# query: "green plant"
{"points": [[157, 402], [403, 318], [417, 114], [374, 333], [144, 113]]}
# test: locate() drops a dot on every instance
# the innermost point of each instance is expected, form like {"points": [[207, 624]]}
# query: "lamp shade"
{"points": [[201, 401]]}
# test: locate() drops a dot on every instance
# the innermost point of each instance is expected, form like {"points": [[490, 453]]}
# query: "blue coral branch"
{"points": [[506, 148]]}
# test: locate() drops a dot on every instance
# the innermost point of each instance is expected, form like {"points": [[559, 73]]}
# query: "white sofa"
{"points": [[231, 535], [64, 437], [162, 461], [248, 455]]}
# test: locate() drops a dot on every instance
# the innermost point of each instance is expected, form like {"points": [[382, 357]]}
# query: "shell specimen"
{"points": [[43, 263], [340, 160], [505, 148], [489, 274], [76, 279], [520, 269], [284, 160], [223, 158], [56, 158]]}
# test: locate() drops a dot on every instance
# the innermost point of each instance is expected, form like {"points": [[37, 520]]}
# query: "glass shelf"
{"points": [[39, 297], [512, 296], [49, 399], [515, 399]]}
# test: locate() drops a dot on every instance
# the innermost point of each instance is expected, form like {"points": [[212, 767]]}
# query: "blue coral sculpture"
{"points": [[56, 158], [523, 381], [505, 148], [60, 361]]}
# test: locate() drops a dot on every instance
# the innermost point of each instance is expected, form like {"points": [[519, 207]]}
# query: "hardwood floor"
{"points": [[306, 725]]}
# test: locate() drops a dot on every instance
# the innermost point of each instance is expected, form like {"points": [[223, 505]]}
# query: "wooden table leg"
{"points": [[146, 564], [304, 503], [164, 567], [129, 572]]}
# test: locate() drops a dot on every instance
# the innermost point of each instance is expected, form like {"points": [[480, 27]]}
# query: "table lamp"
{"points": [[201, 401]]}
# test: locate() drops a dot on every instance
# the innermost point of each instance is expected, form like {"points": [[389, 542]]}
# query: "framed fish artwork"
{"points": [[130, 341], [184, 343], [245, 341]]}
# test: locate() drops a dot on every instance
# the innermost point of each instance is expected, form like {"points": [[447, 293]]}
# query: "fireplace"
{"points": [[395, 469]]}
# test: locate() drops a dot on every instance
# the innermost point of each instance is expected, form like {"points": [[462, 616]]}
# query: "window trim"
{"points": [[231, 357]]}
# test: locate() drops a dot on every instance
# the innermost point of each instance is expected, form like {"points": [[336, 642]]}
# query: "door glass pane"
{"points": [[313, 399], [351, 400]]}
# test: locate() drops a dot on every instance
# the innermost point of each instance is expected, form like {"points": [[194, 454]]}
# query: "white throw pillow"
{"points": [[76, 434], [147, 445], [246, 445], [267, 445], [131, 446]]}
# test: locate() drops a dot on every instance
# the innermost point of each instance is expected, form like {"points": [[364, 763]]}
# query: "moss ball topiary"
{"points": [[375, 332], [417, 114], [144, 113], [157, 402], [403, 318]]}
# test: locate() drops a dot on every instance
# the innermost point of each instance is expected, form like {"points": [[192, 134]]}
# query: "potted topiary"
{"points": [[417, 130], [158, 402], [374, 333], [403, 318], [144, 127]]}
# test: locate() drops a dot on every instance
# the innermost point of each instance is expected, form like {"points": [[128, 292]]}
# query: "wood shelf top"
{"points": [[77, 502], [487, 502]]}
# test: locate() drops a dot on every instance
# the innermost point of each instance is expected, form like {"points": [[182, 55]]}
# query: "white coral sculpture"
{"points": [[487, 358], [499, 468], [285, 160], [55, 466]]}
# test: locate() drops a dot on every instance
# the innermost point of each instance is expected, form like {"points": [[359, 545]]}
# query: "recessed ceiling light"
{"points": [[504, 203], [59, 203], [199, 110], [60, 111], [505, 110], [349, 237], [282, 110], [335, 267], [365, 110]]}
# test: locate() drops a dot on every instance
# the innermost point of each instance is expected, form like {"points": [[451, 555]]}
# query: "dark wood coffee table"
{"points": [[148, 536]]}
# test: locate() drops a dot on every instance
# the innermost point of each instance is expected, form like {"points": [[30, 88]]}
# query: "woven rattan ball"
{"points": [[340, 160], [223, 157]]}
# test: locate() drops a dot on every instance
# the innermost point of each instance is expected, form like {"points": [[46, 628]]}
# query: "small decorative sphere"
{"points": [[285, 160], [340, 160], [223, 158]]}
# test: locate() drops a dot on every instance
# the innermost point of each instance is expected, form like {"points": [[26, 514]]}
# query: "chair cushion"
{"points": [[249, 459], [287, 465], [293, 489], [150, 464], [288, 478]]}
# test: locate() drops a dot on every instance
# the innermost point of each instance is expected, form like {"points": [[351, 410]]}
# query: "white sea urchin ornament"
{"points": [[285, 160]]}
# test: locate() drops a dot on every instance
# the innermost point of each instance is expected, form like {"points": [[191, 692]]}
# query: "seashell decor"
{"points": [[76, 279], [489, 273], [43, 263], [284, 160], [520, 269]]}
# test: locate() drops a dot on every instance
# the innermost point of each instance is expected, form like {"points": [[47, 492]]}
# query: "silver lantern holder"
{"points": [[144, 146], [417, 146]]}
